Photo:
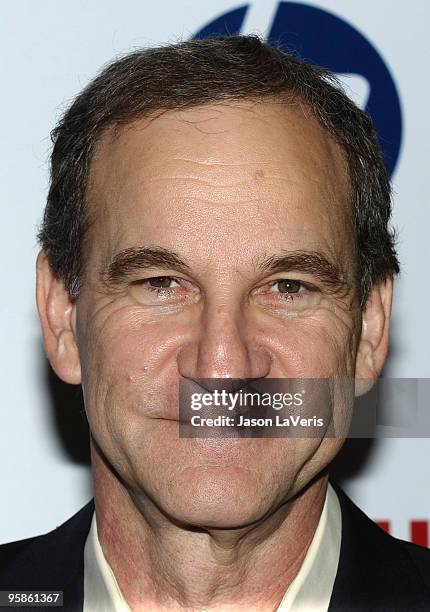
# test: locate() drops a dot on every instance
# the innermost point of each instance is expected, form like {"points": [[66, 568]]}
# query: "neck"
{"points": [[162, 565]]}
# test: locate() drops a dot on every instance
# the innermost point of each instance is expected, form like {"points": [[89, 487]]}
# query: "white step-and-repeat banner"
{"points": [[50, 50]]}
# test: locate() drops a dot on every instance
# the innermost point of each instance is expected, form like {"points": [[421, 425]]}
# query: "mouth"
{"points": [[211, 389]]}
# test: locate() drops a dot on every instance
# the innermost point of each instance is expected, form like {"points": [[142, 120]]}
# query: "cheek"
{"points": [[122, 342], [320, 345], [128, 370]]}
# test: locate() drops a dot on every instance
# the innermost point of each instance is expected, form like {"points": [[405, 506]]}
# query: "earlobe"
{"points": [[374, 340], [57, 318]]}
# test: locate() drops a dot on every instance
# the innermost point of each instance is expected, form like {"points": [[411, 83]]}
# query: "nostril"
{"points": [[226, 383]]}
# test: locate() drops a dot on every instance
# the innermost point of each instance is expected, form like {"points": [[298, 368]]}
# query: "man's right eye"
{"points": [[163, 290]]}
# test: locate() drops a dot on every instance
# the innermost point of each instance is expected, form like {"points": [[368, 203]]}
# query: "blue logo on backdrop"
{"points": [[324, 39]]}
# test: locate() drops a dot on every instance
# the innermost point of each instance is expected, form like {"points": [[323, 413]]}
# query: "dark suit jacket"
{"points": [[376, 571]]}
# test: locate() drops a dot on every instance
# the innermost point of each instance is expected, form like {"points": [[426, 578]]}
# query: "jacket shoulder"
{"points": [[420, 557], [377, 572], [46, 560], [12, 550]]}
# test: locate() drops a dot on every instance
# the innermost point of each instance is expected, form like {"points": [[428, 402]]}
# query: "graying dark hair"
{"points": [[204, 71]]}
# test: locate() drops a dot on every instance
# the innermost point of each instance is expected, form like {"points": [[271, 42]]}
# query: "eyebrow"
{"points": [[134, 259], [308, 262]]}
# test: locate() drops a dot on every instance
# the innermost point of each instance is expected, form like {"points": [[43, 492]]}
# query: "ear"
{"points": [[57, 313], [374, 339]]}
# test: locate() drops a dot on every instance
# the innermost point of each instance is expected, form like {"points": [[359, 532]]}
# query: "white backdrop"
{"points": [[50, 50]]}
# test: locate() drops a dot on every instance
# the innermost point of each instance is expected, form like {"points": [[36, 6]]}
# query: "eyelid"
{"points": [[144, 279]]}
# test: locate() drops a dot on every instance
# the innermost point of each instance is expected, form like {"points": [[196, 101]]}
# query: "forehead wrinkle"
{"points": [[217, 162], [253, 176], [113, 164], [113, 139]]}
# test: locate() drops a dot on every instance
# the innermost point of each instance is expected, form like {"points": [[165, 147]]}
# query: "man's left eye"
{"points": [[285, 285], [162, 282]]}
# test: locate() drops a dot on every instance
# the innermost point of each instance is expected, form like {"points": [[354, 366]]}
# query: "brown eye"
{"points": [[161, 282], [288, 286]]}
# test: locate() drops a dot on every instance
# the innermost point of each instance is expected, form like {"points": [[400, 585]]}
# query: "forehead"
{"points": [[219, 170]]}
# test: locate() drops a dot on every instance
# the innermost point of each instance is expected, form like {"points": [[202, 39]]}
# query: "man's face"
{"points": [[229, 189]]}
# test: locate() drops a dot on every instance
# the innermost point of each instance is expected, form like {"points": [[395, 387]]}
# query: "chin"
{"points": [[218, 498]]}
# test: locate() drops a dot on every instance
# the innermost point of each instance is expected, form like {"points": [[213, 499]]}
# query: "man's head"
{"points": [[217, 209]]}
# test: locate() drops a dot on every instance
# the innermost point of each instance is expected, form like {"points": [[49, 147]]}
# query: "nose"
{"points": [[224, 345]]}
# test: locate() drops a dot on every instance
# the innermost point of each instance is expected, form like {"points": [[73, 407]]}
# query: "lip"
{"points": [[188, 386]]}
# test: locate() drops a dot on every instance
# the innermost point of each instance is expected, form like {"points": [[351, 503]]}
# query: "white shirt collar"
{"points": [[101, 590], [310, 591]]}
